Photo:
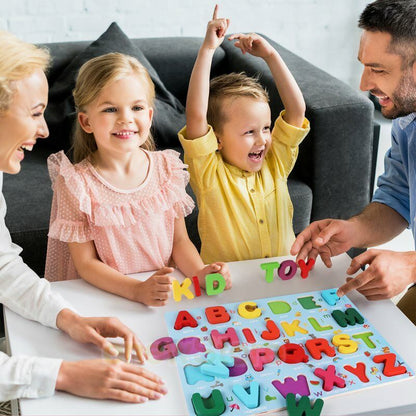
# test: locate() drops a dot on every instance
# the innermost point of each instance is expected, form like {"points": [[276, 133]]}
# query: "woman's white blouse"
{"points": [[25, 293]]}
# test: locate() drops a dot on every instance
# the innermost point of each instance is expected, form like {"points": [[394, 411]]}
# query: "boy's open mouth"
{"points": [[256, 155]]}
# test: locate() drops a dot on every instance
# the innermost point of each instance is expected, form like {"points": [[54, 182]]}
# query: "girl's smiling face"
{"points": [[120, 117], [23, 122]]}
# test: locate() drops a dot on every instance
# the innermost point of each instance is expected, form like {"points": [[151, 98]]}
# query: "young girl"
{"points": [[120, 209]]}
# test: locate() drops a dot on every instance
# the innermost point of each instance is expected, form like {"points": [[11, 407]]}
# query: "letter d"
{"points": [[209, 284]]}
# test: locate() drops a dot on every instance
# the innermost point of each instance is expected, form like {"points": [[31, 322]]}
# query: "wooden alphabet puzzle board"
{"points": [[245, 357]]}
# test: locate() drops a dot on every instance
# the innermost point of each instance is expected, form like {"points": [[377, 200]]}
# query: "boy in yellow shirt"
{"points": [[238, 166]]}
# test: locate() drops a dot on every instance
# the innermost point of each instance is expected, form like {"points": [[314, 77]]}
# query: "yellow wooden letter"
{"points": [[249, 310], [344, 343], [182, 289], [290, 329]]}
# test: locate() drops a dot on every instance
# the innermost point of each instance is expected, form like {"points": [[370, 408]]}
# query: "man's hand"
{"points": [[253, 44], [326, 238], [156, 289], [387, 275], [216, 30], [217, 267], [109, 379], [94, 330]]}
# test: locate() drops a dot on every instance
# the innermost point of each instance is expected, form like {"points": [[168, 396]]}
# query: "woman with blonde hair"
{"points": [[23, 99]]}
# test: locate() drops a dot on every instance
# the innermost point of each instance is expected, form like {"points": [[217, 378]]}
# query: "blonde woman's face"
{"points": [[23, 122], [120, 117]]}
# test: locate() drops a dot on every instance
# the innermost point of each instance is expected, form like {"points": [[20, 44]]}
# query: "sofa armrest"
{"points": [[335, 159]]}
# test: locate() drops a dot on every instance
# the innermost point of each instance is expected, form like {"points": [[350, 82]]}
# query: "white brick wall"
{"points": [[323, 32]]}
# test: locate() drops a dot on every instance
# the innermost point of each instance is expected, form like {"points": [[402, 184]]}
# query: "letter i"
{"points": [[249, 335], [196, 286]]}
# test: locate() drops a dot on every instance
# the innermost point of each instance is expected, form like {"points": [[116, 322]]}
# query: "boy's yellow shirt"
{"points": [[244, 215]]}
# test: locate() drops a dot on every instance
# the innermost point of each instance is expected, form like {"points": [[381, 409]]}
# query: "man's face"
{"points": [[384, 76]]}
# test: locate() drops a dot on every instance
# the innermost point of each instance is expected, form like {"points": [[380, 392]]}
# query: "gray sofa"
{"points": [[333, 174]]}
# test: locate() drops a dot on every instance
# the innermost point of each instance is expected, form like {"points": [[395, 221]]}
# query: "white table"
{"points": [[30, 338]]}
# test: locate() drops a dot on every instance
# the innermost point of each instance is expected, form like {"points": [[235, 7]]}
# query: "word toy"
{"points": [[249, 357]]}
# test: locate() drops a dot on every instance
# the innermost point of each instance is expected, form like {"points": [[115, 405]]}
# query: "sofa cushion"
{"points": [[169, 113], [174, 58], [302, 198]]}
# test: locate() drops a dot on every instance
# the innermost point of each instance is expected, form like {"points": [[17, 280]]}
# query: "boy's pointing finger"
{"points": [[214, 16]]}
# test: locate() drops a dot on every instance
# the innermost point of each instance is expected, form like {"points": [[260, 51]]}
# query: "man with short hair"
{"points": [[388, 53]]}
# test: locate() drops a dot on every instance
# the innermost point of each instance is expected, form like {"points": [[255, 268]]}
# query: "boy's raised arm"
{"points": [[289, 91], [198, 91]]}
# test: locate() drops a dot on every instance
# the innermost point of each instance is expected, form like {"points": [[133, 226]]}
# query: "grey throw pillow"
{"points": [[169, 113]]}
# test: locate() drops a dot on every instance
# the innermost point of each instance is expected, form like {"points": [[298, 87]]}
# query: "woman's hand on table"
{"points": [[94, 330], [109, 379]]}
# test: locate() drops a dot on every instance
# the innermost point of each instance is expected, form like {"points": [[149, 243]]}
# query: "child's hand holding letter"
{"points": [[218, 267]]}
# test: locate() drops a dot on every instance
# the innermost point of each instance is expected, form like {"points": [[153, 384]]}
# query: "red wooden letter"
{"points": [[317, 345], [292, 354], [183, 319], [217, 315], [358, 371], [305, 268], [389, 361], [272, 331]]}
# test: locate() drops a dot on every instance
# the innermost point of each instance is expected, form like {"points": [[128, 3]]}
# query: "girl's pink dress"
{"points": [[132, 229]]}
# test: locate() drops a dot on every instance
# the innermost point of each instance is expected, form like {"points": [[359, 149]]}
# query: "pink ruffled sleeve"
{"points": [[71, 205], [174, 181]]}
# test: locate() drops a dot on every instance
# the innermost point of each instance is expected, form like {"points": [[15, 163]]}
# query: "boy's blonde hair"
{"points": [[231, 85], [18, 60], [95, 75]]}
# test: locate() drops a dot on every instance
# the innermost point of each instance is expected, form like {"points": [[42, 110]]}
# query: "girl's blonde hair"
{"points": [[95, 75], [18, 60]]}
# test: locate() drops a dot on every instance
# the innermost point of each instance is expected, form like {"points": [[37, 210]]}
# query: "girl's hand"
{"points": [[253, 44], [155, 290], [217, 267], [216, 30]]}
